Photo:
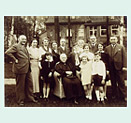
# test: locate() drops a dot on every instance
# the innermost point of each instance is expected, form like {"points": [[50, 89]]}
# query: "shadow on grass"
{"points": [[10, 101]]}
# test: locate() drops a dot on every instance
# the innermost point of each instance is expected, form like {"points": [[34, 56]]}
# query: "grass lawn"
{"points": [[10, 101], [10, 98]]}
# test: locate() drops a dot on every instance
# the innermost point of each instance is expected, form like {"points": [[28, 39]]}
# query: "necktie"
{"points": [[112, 50]]}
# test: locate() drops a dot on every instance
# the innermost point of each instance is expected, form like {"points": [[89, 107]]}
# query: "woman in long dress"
{"points": [[72, 85], [34, 60]]}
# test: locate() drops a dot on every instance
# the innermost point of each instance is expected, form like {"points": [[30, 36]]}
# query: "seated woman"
{"points": [[72, 85]]}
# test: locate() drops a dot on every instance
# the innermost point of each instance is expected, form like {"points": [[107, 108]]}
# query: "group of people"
{"points": [[84, 69]]}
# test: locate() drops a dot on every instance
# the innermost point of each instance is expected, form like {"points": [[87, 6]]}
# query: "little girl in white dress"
{"points": [[86, 73]]}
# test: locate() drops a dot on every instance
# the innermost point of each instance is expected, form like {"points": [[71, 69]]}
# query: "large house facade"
{"points": [[84, 26]]}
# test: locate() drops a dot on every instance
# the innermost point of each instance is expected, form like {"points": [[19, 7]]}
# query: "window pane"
{"points": [[95, 27], [91, 27], [91, 32], [115, 32], [114, 26], [103, 31], [103, 27], [95, 33]]}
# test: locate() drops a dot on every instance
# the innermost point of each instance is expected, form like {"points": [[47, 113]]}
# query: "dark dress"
{"points": [[72, 85], [55, 56], [47, 67]]}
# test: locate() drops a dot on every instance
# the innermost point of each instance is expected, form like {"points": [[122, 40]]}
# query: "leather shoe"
{"points": [[76, 102], [21, 103], [98, 102], [103, 102], [34, 101]]}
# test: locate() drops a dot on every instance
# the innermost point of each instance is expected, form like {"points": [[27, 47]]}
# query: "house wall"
{"points": [[80, 30]]}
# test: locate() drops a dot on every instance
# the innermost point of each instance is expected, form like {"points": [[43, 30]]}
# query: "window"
{"points": [[67, 32], [115, 30], [93, 30], [103, 31]]}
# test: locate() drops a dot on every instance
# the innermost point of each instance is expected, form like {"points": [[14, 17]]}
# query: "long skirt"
{"points": [[72, 87], [35, 76]]}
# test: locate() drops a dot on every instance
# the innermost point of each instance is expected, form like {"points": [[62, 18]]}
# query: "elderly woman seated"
{"points": [[71, 84]]}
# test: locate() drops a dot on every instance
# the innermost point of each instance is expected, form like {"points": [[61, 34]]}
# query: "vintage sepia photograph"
{"points": [[65, 61]]}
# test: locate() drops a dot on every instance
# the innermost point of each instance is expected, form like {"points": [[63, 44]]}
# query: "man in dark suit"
{"points": [[63, 48], [117, 64], [93, 44], [21, 68]]}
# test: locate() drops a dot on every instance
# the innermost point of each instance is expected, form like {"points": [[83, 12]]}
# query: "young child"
{"points": [[98, 75], [104, 59], [86, 73], [46, 73]]}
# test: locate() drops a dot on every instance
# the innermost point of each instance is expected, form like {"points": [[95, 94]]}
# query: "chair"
{"points": [[58, 89]]}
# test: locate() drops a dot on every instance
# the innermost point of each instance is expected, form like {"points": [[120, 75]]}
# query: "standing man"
{"points": [[93, 44], [63, 47], [21, 68], [116, 64]]}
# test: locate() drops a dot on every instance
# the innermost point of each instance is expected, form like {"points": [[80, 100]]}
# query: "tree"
{"points": [[7, 29]]}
